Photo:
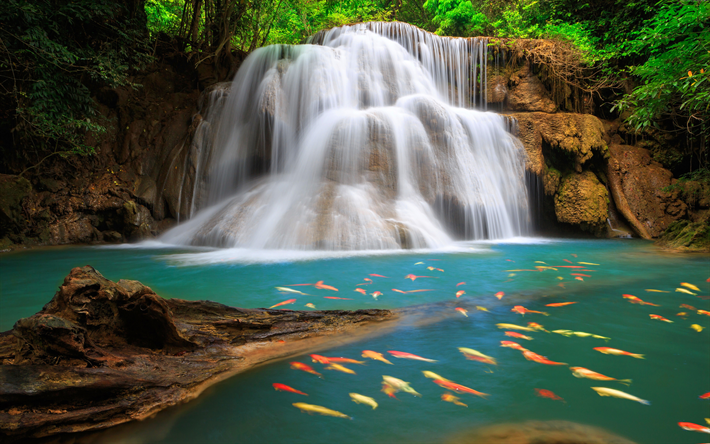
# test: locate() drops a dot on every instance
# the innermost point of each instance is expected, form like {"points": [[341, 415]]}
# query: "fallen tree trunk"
{"points": [[102, 353]]}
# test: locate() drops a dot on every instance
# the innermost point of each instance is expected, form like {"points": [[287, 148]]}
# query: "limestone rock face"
{"points": [[582, 200], [639, 181], [527, 93]]}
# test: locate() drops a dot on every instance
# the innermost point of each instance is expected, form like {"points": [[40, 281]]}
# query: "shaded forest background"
{"points": [[642, 61]]}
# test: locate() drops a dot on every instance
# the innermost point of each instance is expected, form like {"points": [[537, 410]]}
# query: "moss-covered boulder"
{"points": [[582, 200], [686, 235], [13, 190]]}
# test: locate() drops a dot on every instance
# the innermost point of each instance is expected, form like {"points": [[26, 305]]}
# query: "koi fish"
{"points": [[581, 275], [652, 290], [319, 285], [660, 318], [413, 277], [379, 276], [418, 291], [604, 391], [399, 291], [689, 307], [581, 372], [513, 334], [346, 360], [500, 295], [304, 367], [449, 385], [586, 263], [340, 368], [478, 307], [362, 399], [617, 352], [530, 356], [683, 290], [399, 385], [361, 291], [691, 286], [522, 310], [459, 293], [286, 302], [403, 355], [310, 408], [548, 394], [368, 281], [568, 261], [463, 311], [696, 327], [432, 375], [704, 312], [375, 356], [320, 359], [514, 327], [389, 390], [460, 283], [448, 397], [634, 300], [579, 278], [580, 334], [693, 427], [559, 304], [475, 355], [705, 396], [513, 345], [573, 255], [376, 294], [335, 297], [540, 262], [419, 263], [285, 388], [310, 305], [536, 326], [291, 290]]}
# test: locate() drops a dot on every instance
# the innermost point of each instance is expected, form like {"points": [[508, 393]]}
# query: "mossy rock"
{"points": [[582, 200], [687, 236]]}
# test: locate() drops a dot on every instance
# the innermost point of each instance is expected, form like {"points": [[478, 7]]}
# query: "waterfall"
{"points": [[365, 138]]}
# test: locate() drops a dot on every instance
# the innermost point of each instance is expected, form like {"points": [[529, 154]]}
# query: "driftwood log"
{"points": [[102, 353]]}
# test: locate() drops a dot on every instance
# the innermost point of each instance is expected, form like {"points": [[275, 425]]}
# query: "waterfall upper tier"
{"points": [[363, 141]]}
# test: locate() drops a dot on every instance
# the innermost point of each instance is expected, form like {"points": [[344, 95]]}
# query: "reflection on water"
{"points": [[246, 408]]}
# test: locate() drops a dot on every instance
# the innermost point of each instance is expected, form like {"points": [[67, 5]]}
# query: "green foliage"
{"points": [[457, 18], [164, 16]]}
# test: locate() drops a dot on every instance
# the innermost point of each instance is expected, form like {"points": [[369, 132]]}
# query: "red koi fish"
{"points": [[379, 276], [319, 285], [285, 388], [459, 293], [704, 312], [615, 351], [413, 277], [536, 326], [530, 356], [513, 334], [548, 394], [399, 291], [416, 291], [361, 290], [634, 300], [693, 427], [345, 360], [705, 396], [376, 294], [320, 359], [286, 302], [660, 318], [368, 281], [569, 262], [689, 307], [559, 304], [335, 297], [568, 266], [403, 355], [461, 283], [522, 310], [513, 345], [500, 295], [304, 367], [389, 390], [580, 274], [463, 311], [449, 385]]}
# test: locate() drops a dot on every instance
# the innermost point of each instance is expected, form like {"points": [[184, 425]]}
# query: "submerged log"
{"points": [[102, 353]]}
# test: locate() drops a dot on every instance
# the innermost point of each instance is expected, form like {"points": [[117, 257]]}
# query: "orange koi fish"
{"points": [[319, 285], [568, 261], [693, 427], [375, 356], [463, 311], [522, 310], [361, 291], [559, 304], [376, 294], [448, 397], [705, 396], [345, 360], [500, 295], [573, 255], [459, 293], [368, 281], [286, 302], [660, 318], [682, 313], [389, 390], [617, 352], [513, 334], [320, 359], [579, 278], [634, 300], [581, 372], [513, 345], [304, 367], [536, 326], [582, 275], [569, 266], [530, 356], [475, 355], [417, 291], [403, 355], [379, 276], [413, 277], [548, 394], [399, 291], [461, 283], [458, 388], [285, 388], [704, 312], [335, 297], [689, 307]]}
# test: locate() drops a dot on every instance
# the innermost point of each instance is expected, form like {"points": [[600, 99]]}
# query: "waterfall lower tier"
{"points": [[352, 145]]}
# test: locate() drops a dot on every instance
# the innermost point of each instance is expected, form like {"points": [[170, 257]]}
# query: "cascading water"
{"points": [[365, 140]]}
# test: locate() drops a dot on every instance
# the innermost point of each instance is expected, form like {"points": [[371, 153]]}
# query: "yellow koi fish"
{"points": [[375, 356], [581, 372], [683, 290], [310, 408], [691, 286], [432, 375], [478, 307], [656, 291], [586, 263], [579, 334], [448, 397], [340, 368], [475, 355], [362, 399], [696, 327], [310, 305], [604, 391], [399, 385], [514, 327]]}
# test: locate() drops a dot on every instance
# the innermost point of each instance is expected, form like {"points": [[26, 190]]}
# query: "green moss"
{"points": [[687, 235]]}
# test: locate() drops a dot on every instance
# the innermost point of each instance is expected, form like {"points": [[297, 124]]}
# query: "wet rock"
{"points": [[527, 93], [539, 432], [102, 353], [13, 190], [138, 221], [582, 200]]}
